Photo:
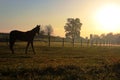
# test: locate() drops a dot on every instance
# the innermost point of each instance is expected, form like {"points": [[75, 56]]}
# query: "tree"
{"points": [[96, 39], [48, 31], [72, 28]]}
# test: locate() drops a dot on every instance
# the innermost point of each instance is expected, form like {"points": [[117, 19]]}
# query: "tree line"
{"points": [[106, 38]]}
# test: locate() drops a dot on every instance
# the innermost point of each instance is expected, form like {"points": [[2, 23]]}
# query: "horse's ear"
{"points": [[38, 26]]}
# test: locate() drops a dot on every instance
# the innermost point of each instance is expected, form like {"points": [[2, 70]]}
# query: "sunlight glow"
{"points": [[108, 17]]}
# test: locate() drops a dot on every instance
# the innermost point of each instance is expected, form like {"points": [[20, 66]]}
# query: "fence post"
{"points": [[87, 43], [108, 43], [63, 42], [49, 40], [81, 42], [73, 42], [100, 43], [91, 42], [96, 43]]}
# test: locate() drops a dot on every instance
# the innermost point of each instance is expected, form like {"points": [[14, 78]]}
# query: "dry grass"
{"points": [[59, 63]]}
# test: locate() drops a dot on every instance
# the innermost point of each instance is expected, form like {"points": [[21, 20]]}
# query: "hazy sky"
{"points": [[25, 14]]}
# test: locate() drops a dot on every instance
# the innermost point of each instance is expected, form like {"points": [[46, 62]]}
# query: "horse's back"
{"points": [[14, 32], [18, 35]]}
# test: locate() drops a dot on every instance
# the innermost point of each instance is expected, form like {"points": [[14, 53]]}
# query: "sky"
{"points": [[26, 14]]}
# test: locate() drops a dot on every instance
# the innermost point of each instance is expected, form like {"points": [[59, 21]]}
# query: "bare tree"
{"points": [[48, 31]]}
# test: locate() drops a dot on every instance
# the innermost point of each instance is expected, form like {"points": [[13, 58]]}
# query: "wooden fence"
{"points": [[81, 43], [65, 42]]}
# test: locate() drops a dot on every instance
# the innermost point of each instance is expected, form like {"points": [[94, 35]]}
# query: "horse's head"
{"points": [[37, 28]]}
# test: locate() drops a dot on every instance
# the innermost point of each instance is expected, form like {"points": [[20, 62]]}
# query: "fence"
{"points": [[79, 43], [64, 42]]}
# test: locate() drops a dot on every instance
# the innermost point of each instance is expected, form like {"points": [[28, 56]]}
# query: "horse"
{"points": [[27, 36]]}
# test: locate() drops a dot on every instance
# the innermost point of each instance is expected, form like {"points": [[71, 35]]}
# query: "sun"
{"points": [[108, 18]]}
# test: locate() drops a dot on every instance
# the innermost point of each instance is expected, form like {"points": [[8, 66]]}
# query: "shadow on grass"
{"points": [[14, 56]]}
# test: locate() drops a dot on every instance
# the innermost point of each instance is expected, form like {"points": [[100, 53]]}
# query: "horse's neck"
{"points": [[33, 32]]}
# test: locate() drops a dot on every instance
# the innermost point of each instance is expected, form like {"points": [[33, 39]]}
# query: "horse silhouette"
{"points": [[27, 36]]}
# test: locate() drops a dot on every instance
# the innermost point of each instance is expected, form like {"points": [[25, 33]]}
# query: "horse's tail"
{"points": [[11, 42]]}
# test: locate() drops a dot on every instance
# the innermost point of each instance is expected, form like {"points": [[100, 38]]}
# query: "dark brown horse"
{"points": [[27, 36]]}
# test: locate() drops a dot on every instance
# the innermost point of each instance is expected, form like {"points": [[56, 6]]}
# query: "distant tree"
{"points": [[110, 37], [102, 35], [96, 39], [72, 28], [91, 39], [48, 31], [117, 38]]}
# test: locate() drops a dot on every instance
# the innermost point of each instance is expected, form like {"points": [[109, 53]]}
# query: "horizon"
{"points": [[24, 15]]}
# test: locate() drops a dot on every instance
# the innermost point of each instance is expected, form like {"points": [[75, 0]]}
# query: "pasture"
{"points": [[59, 63]]}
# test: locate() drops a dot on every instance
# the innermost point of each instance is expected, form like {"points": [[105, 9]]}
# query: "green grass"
{"points": [[59, 63]]}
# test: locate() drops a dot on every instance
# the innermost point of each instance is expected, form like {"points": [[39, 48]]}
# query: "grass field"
{"points": [[59, 63]]}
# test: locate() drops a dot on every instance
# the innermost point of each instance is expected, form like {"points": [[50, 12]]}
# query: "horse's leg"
{"points": [[27, 47], [33, 47], [11, 44]]}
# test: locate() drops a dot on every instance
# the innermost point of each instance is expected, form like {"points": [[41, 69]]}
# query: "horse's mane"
{"points": [[36, 28]]}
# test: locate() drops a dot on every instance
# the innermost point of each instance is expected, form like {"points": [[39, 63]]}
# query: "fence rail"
{"points": [[63, 42]]}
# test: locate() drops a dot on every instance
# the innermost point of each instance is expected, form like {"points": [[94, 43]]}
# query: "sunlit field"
{"points": [[59, 63]]}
